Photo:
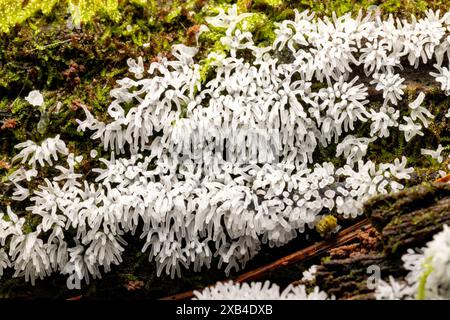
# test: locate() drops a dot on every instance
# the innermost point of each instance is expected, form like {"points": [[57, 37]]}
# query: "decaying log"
{"points": [[402, 220], [395, 222], [411, 217]]}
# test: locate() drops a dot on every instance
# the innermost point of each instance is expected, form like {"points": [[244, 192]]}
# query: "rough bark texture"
{"points": [[407, 219]]}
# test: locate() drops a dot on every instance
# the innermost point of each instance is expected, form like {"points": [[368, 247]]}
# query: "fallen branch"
{"points": [[444, 179]]}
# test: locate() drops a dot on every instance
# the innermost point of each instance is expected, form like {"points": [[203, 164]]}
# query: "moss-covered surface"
{"points": [[410, 218], [75, 66], [407, 219], [80, 66]]}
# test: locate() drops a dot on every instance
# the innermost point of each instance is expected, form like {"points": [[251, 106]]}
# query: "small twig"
{"points": [[53, 44], [307, 253], [444, 179]]}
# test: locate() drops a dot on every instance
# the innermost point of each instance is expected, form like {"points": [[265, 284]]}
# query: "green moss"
{"points": [[260, 25], [207, 65], [394, 247], [244, 5], [271, 3], [427, 270], [393, 6], [20, 106], [16, 12], [399, 7], [173, 14]]}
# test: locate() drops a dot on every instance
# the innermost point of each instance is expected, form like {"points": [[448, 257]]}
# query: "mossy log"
{"points": [[407, 219]]}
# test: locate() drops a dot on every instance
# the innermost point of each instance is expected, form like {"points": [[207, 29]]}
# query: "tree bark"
{"points": [[407, 219]]}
